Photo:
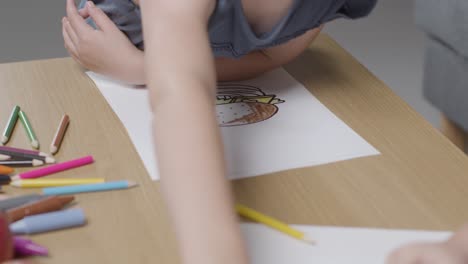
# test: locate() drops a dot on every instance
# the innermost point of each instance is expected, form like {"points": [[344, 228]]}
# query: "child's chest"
{"points": [[263, 15]]}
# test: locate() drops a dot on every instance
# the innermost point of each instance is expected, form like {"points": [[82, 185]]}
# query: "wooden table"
{"points": [[420, 180]]}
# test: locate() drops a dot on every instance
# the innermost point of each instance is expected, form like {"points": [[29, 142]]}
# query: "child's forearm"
{"points": [[133, 71], [181, 79], [193, 179]]}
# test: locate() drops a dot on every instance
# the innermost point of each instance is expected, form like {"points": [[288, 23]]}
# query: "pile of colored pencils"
{"points": [[17, 113], [16, 157], [42, 212]]}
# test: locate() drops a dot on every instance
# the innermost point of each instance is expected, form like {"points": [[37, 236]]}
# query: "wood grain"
{"points": [[418, 182], [453, 132]]}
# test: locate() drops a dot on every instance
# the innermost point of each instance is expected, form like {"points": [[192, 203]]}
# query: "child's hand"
{"points": [[452, 251], [105, 50]]}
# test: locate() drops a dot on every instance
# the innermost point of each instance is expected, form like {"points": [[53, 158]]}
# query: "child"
{"points": [[189, 45], [229, 37]]}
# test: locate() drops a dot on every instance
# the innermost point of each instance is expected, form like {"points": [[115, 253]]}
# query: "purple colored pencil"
{"points": [[25, 247], [26, 151]]}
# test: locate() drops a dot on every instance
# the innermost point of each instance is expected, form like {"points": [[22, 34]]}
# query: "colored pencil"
{"points": [[40, 183], [25, 247], [55, 168], [271, 222], [10, 125], [4, 157], [26, 156], [98, 187], [6, 170], [17, 201], [22, 163], [5, 179], [27, 151], [27, 125], [48, 204], [58, 138], [49, 221]]}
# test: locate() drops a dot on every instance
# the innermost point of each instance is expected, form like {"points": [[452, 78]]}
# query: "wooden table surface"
{"points": [[419, 181]]}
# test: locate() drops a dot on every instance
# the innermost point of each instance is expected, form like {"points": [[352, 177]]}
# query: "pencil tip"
{"points": [[35, 144], [15, 178], [15, 183], [53, 149], [49, 160], [66, 199], [36, 163], [4, 157], [308, 240], [131, 184], [4, 140]]}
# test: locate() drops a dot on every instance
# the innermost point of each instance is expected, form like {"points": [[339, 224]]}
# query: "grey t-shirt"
{"points": [[229, 31]]}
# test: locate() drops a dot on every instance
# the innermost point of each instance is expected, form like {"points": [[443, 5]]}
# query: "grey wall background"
{"points": [[31, 29], [387, 42], [390, 45]]}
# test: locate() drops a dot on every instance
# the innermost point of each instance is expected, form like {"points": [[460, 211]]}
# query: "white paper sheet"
{"points": [[298, 131], [335, 245]]}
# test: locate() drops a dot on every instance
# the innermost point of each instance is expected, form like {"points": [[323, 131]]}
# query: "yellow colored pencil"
{"points": [[271, 222], [40, 183]]}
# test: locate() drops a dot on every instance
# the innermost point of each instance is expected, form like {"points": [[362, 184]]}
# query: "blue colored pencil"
{"points": [[98, 187]]}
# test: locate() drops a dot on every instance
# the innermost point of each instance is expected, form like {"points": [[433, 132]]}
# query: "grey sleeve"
{"points": [[358, 8], [125, 14]]}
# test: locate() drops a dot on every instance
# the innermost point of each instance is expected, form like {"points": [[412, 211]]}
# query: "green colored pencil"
{"points": [[10, 125], [29, 130]]}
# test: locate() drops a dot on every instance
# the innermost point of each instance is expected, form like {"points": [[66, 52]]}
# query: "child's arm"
{"points": [[100, 53], [105, 50], [452, 251], [181, 78]]}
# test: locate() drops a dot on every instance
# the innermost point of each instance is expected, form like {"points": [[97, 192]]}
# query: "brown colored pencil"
{"points": [[58, 138], [49, 204]]}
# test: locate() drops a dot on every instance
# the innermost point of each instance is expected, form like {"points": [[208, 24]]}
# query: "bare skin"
{"points": [[191, 163], [190, 151], [95, 53], [452, 251]]}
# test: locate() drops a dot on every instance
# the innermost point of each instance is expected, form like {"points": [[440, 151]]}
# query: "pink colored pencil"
{"points": [[27, 151], [55, 168]]}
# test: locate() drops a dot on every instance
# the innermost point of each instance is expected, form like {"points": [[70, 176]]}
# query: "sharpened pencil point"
{"points": [[15, 183], [308, 240], [53, 149], [15, 178], [36, 163], [132, 184], [35, 144], [4, 140], [4, 157], [49, 160]]}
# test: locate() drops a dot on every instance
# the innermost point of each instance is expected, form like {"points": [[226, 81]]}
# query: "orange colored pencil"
{"points": [[58, 138], [6, 170]]}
